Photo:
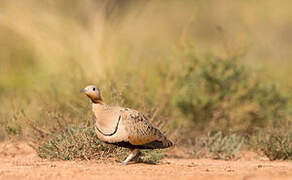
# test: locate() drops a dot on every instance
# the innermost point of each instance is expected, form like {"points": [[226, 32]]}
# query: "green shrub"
{"points": [[151, 156], [222, 94], [224, 147], [218, 146]]}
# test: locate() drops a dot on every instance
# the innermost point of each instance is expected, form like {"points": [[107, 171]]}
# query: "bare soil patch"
{"points": [[19, 161]]}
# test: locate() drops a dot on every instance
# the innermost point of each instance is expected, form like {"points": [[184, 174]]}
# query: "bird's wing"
{"points": [[141, 131]]}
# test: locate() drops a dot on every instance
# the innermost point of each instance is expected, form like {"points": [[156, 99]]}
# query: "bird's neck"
{"points": [[98, 101]]}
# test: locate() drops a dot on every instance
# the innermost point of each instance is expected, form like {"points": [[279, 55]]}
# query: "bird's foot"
{"points": [[131, 156], [123, 163]]}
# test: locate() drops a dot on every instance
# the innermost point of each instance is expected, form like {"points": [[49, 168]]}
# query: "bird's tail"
{"points": [[166, 142]]}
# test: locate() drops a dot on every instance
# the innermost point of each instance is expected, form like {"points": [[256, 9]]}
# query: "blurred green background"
{"points": [[194, 65]]}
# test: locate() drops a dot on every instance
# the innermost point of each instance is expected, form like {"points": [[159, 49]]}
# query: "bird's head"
{"points": [[93, 93]]}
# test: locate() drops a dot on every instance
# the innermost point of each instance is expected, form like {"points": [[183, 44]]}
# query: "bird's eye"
{"points": [[93, 89]]}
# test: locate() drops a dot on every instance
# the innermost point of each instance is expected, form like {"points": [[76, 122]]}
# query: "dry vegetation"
{"points": [[193, 68]]}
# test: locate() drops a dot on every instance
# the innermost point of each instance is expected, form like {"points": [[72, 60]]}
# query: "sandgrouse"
{"points": [[123, 126]]}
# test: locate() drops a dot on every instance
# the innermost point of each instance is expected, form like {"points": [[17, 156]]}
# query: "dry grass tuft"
{"points": [[276, 145], [81, 143], [75, 143]]}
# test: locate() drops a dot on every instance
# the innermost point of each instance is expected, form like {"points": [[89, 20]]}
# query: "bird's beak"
{"points": [[83, 90]]}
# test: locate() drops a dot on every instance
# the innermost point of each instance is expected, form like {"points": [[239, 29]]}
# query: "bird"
{"points": [[124, 127]]}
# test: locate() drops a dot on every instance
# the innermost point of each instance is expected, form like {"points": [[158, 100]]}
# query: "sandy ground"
{"points": [[19, 161]]}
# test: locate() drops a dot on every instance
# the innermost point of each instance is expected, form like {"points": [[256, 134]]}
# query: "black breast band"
{"points": [[109, 134]]}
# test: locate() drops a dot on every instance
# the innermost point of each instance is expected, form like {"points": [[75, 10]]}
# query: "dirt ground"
{"points": [[19, 161]]}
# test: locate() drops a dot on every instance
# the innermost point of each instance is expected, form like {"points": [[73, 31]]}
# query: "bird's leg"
{"points": [[131, 156]]}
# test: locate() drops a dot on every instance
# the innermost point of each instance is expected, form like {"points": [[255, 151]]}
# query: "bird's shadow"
{"points": [[139, 160], [145, 162]]}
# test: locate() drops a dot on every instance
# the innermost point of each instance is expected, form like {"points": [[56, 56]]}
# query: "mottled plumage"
{"points": [[123, 126]]}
